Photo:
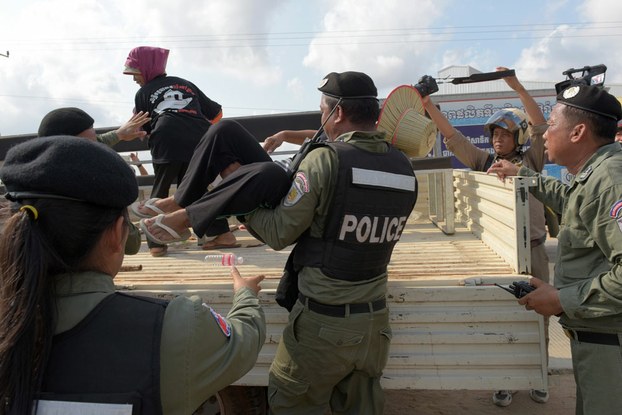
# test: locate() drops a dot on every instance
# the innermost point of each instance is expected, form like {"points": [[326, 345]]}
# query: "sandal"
{"points": [[157, 221], [149, 204]]}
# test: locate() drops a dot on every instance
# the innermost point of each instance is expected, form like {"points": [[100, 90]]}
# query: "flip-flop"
{"points": [[149, 204], [185, 234]]}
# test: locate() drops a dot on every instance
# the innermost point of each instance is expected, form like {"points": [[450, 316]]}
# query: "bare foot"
{"points": [[166, 205], [158, 251], [224, 240], [176, 221]]}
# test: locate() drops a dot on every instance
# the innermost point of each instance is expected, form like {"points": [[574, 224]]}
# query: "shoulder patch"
{"points": [[616, 209], [224, 325], [616, 213], [299, 187]]}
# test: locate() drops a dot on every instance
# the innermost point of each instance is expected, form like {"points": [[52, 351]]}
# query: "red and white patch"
{"points": [[224, 325], [299, 187], [616, 213]]}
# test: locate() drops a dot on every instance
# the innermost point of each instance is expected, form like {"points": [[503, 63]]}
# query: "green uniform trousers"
{"points": [[598, 374], [337, 361]]}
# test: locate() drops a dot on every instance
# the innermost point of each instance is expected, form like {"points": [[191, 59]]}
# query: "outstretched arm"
{"points": [[140, 167], [531, 106], [439, 119], [131, 129], [289, 136]]}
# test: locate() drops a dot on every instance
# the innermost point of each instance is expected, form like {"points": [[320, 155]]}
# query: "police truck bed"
{"points": [[453, 329]]}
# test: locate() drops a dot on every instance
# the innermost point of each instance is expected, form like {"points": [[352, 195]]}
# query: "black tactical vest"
{"points": [[111, 356], [374, 195]]}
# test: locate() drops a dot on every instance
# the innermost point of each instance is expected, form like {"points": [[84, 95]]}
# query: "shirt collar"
{"points": [[82, 283], [597, 158]]}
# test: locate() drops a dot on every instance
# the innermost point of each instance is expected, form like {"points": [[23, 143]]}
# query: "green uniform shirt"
{"points": [[587, 268], [196, 358], [132, 245], [110, 138], [306, 207]]}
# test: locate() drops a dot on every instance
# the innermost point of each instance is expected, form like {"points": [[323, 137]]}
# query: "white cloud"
{"points": [[393, 48], [296, 87], [68, 53], [591, 43], [268, 56], [478, 58], [227, 36]]}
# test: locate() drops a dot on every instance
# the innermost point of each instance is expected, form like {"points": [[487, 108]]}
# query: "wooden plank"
{"points": [[447, 332]]}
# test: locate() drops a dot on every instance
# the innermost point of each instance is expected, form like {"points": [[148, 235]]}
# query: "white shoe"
{"points": [[502, 398], [539, 395]]}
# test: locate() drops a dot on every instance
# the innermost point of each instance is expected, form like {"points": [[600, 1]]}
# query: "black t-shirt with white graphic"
{"points": [[179, 117]]}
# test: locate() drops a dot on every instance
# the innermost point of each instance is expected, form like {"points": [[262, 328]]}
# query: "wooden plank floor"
{"points": [[445, 335], [424, 253]]}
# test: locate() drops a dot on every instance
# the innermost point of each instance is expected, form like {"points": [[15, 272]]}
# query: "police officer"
{"points": [[76, 122], [588, 274], [65, 335], [509, 130], [346, 209]]}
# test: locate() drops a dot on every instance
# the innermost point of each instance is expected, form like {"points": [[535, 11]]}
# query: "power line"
{"points": [[330, 42], [504, 32]]}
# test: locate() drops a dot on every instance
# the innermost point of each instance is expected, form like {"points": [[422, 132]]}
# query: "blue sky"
{"points": [[257, 57]]}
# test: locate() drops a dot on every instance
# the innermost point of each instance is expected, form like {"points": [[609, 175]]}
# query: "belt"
{"points": [[342, 310], [610, 339], [538, 242]]}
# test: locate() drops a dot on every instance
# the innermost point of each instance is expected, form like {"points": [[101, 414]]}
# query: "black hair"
{"points": [[602, 127], [359, 111], [48, 237]]}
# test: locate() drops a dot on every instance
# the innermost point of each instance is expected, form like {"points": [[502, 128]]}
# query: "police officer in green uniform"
{"points": [[587, 295], [67, 339], [346, 209], [76, 122]]}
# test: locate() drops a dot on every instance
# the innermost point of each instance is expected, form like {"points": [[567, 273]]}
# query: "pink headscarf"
{"points": [[150, 61]]}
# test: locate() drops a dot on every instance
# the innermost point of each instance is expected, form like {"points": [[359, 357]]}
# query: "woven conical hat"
{"points": [[402, 118]]}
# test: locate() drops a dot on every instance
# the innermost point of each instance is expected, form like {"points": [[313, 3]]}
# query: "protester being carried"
{"points": [[226, 148]]}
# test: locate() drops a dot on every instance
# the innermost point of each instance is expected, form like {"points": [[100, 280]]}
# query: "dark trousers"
{"points": [[165, 174], [225, 142], [254, 185]]}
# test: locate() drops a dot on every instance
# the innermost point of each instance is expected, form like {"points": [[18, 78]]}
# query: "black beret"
{"points": [[591, 98], [352, 85], [65, 121], [68, 167]]}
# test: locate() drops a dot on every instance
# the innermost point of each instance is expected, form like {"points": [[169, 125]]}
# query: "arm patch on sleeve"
{"points": [[299, 187], [224, 325], [616, 213]]}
